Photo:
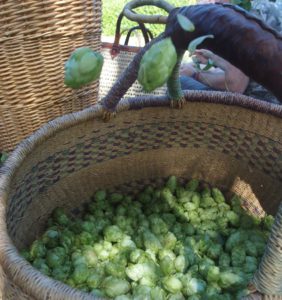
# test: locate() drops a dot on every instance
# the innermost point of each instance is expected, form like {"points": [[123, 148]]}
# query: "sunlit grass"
{"points": [[112, 9]]}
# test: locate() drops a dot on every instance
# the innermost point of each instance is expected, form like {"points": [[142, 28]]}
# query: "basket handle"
{"points": [[116, 45], [152, 19], [117, 91], [140, 19], [147, 34]]}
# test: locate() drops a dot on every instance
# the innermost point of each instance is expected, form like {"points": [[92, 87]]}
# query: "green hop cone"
{"points": [[83, 67], [157, 64]]}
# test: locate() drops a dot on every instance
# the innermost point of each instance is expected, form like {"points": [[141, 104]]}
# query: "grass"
{"points": [[112, 9]]}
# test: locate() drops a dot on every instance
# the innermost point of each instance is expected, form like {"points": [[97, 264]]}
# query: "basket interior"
{"points": [[232, 148]]}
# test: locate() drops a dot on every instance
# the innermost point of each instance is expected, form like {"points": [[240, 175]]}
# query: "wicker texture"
{"points": [[227, 140], [113, 68], [118, 57], [271, 259], [36, 38], [11, 291]]}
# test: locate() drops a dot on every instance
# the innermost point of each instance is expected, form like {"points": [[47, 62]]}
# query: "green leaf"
{"points": [[196, 42], [208, 65], [3, 157], [236, 2], [247, 6], [185, 23]]}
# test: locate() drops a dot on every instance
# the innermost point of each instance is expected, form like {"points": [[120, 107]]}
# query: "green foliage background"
{"points": [[111, 10]]}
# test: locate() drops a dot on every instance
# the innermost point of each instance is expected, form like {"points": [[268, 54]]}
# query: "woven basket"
{"points": [[36, 38], [114, 65], [113, 68], [227, 140]]}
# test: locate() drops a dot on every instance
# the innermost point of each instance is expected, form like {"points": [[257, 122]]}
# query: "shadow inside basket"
{"points": [[231, 148]]}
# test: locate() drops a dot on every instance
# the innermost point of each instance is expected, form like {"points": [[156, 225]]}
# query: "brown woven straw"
{"points": [[36, 38], [228, 140]]}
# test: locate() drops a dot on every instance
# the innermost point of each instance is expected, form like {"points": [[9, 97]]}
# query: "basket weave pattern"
{"points": [[36, 38], [232, 147], [113, 68], [10, 290], [242, 145]]}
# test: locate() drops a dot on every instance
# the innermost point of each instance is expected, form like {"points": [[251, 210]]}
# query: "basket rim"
{"points": [[127, 48], [13, 264], [211, 97]]}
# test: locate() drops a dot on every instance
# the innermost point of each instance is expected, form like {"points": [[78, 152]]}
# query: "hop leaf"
{"points": [[229, 280], [185, 23], [3, 157], [268, 222], [172, 284], [115, 287], [196, 42]]}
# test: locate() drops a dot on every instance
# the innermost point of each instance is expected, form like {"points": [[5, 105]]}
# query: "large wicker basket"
{"points": [[228, 140], [36, 38]]}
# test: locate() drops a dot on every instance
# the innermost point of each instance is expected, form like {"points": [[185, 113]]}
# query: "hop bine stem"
{"points": [[173, 84]]}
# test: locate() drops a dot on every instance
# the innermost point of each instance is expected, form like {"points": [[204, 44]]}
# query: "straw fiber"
{"points": [[117, 57], [8, 290], [226, 140], [113, 68], [36, 39]]}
